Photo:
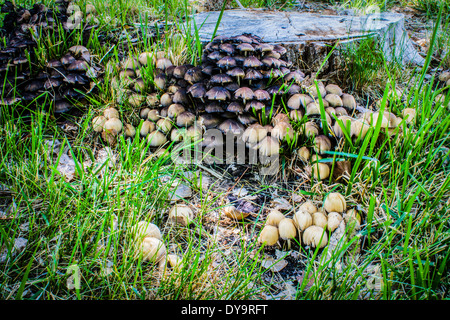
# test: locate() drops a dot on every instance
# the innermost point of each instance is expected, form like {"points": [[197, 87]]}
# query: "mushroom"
{"points": [[221, 78], [309, 129], [335, 202], [146, 57], [254, 134], [113, 125], [218, 93], [232, 126], [153, 115], [145, 229], [334, 100], [409, 115], [269, 235], [228, 48], [315, 236], [319, 219], [274, 217], [164, 125], [334, 220], [353, 220], [163, 63], [287, 230], [110, 113], [342, 122], [146, 128], [130, 130], [283, 131], [226, 62], [181, 214], [185, 119], [174, 110], [358, 129], [244, 93], [237, 73], [308, 206], [334, 89], [213, 107], [321, 144], [304, 153], [319, 170], [98, 123], [193, 75], [252, 62], [152, 250], [235, 107], [348, 101], [156, 138], [197, 91], [245, 48], [268, 146], [302, 220], [253, 74]]}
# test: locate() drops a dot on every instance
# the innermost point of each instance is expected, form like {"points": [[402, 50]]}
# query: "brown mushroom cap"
{"points": [[253, 74], [163, 63], [228, 48], [156, 138], [226, 62], [268, 146], [175, 109], [254, 105], [321, 144], [213, 107], [185, 119], [235, 107], [210, 120], [232, 126], [221, 78], [244, 93], [218, 93], [252, 62]]}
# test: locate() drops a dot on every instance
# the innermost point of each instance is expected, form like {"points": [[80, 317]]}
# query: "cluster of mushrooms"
{"points": [[148, 242], [59, 80], [309, 225], [246, 88]]}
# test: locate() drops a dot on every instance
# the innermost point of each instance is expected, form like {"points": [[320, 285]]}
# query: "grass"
{"points": [[400, 180]]}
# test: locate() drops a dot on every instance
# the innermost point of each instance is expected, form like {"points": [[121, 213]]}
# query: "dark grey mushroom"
{"points": [[218, 93]]}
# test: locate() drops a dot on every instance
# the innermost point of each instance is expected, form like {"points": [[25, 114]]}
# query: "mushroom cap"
{"points": [[280, 117], [299, 100], [235, 107], [232, 126], [153, 115], [320, 170], [274, 217], [244, 93], [166, 99], [359, 129], [221, 78], [269, 235], [335, 202], [268, 146], [218, 93], [209, 120], [312, 237], [261, 95], [113, 125], [175, 109], [254, 134], [245, 47], [228, 48], [302, 219], [409, 115], [310, 128], [234, 213], [246, 119], [110, 113], [226, 62], [253, 74], [308, 206], [197, 90], [321, 144], [254, 105], [164, 125], [146, 128], [78, 65], [185, 119], [334, 89], [163, 63], [181, 214], [283, 131], [145, 229], [156, 138], [334, 100], [130, 130], [236, 72], [304, 153], [319, 219], [147, 57], [334, 219], [287, 229], [98, 123], [252, 62], [193, 75], [348, 101], [213, 107], [152, 249]]}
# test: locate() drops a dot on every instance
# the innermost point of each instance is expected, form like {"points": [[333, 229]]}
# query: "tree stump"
{"points": [[309, 37]]}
